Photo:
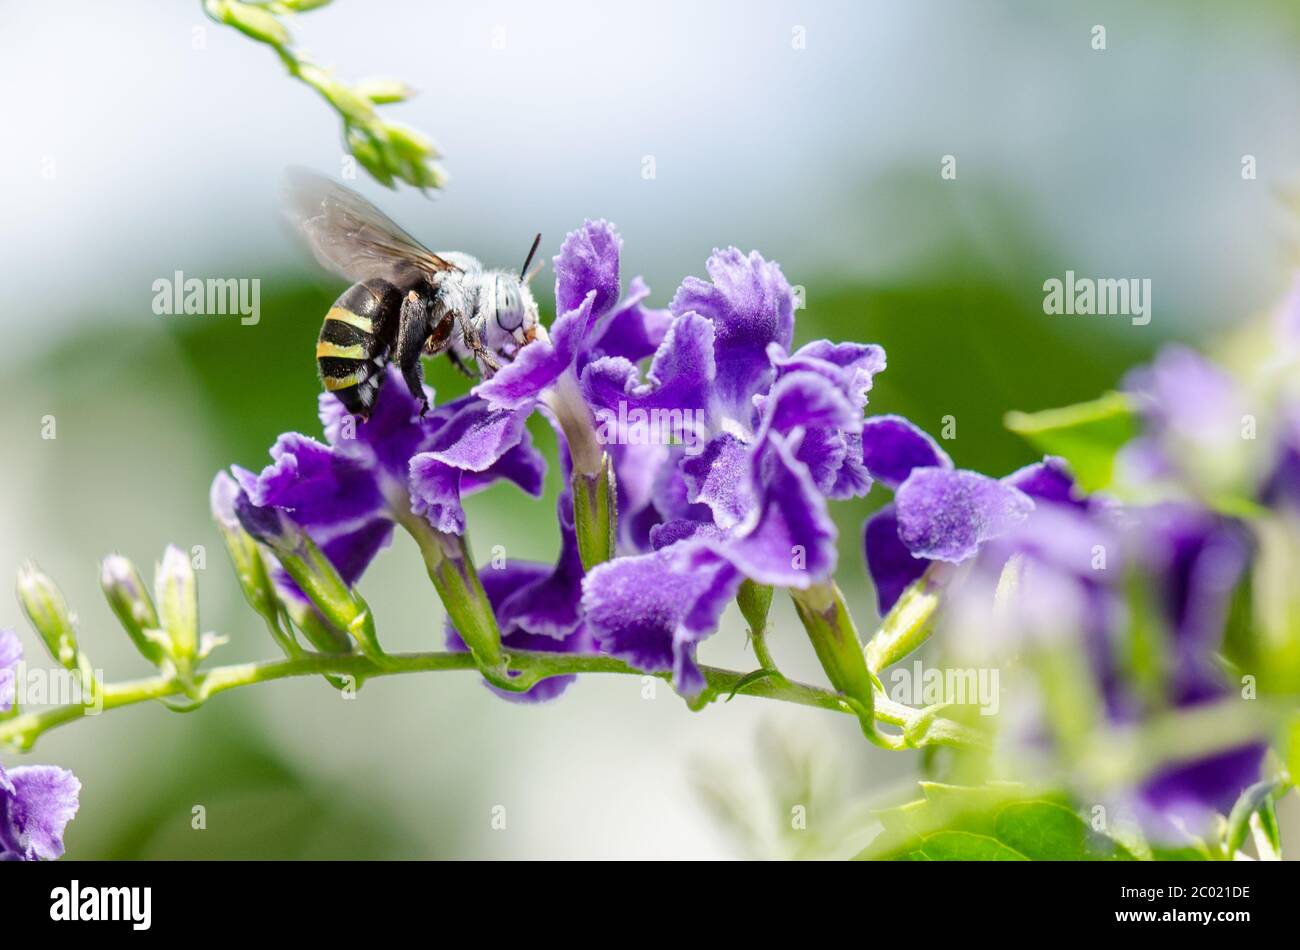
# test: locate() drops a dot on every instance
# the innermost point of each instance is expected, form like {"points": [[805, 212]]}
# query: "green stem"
{"points": [[21, 732]]}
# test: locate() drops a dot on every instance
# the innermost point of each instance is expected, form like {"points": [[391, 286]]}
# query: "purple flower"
{"points": [[36, 804], [591, 323], [749, 304], [764, 438], [537, 606], [940, 513], [723, 385], [349, 492], [11, 653], [651, 610], [528, 598]]}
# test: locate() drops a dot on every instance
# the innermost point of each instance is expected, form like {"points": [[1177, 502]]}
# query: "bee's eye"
{"points": [[510, 315]]}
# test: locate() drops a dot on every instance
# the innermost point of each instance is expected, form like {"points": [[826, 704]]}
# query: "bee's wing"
{"points": [[350, 236]]}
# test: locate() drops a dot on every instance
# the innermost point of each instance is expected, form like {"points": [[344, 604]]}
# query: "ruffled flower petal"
{"points": [[851, 366], [945, 515], [677, 386], [650, 611], [719, 477], [470, 436], [435, 493], [521, 465], [892, 446], [633, 331], [36, 804], [788, 540], [317, 486], [1049, 480], [537, 366], [549, 607], [891, 565], [588, 264], [751, 305]]}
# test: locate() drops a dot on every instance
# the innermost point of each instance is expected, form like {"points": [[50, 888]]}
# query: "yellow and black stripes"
{"points": [[353, 344]]}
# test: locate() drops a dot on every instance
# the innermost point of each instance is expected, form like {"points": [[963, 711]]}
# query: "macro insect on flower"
{"points": [[728, 503], [406, 301]]}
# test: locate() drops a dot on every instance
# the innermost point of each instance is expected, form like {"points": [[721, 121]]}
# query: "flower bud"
{"points": [[310, 569], [177, 593], [408, 142], [250, 569], [907, 625], [384, 91], [367, 153], [252, 21], [48, 613], [129, 599]]}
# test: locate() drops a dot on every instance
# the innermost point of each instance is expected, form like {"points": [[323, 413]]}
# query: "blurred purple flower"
{"points": [[1076, 558], [36, 804], [941, 513]]}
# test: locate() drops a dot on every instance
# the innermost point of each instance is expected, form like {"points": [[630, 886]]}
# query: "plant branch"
{"points": [[528, 667]]}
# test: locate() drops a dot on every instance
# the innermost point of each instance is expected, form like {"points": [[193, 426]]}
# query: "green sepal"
{"points": [[595, 514], [755, 602], [450, 566], [834, 637]]}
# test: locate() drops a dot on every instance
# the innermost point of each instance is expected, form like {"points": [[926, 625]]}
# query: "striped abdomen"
{"points": [[354, 343]]}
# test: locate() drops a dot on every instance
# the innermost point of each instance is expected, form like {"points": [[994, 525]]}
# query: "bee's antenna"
{"points": [[523, 271]]}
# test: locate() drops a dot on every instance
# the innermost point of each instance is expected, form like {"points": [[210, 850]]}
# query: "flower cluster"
{"points": [[701, 453]]}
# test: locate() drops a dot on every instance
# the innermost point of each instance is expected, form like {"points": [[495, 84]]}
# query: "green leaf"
{"points": [[752, 677], [1250, 802], [1046, 831], [1087, 435], [995, 822], [967, 846]]}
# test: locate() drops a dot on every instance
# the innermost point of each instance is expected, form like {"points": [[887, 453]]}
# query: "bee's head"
{"points": [[516, 310]]}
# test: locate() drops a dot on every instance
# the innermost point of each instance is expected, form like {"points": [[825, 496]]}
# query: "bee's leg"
{"points": [[481, 353], [459, 363], [412, 331]]}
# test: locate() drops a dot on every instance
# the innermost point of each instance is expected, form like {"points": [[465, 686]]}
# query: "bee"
{"points": [[405, 301]]}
